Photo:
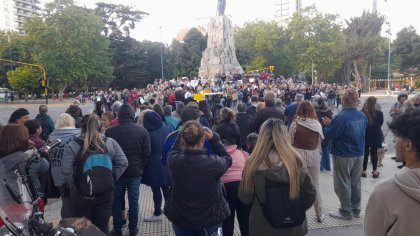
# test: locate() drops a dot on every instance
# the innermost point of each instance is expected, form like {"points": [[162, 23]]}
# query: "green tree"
{"points": [[67, 39], [23, 79], [186, 56], [260, 44], [318, 36], [362, 37], [407, 49], [118, 19], [130, 63]]}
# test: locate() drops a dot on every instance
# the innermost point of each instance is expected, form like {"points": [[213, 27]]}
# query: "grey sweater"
{"points": [[118, 158], [66, 135]]}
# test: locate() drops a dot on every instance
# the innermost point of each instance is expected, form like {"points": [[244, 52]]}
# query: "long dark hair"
{"points": [[13, 138], [369, 108]]}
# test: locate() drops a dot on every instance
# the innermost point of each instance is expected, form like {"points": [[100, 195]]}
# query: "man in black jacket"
{"points": [[243, 120], [135, 142], [270, 111]]}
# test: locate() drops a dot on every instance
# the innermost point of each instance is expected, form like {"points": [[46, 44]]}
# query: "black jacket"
{"points": [[263, 115], [196, 200], [135, 142], [243, 120]]}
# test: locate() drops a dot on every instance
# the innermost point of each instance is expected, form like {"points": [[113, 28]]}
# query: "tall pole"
{"points": [[389, 55], [161, 52]]}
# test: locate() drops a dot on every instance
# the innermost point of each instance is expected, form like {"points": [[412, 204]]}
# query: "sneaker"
{"points": [[153, 218], [356, 214], [338, 215], [375, 174], [320, 219], [364, 175]]}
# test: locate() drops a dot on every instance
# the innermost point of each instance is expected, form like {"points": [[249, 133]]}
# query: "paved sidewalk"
{"points": [[330, 203]]}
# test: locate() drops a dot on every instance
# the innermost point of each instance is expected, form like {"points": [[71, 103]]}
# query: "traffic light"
{"points": [[271, 68], [43, 83]]}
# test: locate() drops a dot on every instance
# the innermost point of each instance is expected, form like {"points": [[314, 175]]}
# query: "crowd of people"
{"points": [[248, 149]]}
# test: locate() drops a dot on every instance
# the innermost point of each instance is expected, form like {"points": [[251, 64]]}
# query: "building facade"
{"points": [[13, 13]]}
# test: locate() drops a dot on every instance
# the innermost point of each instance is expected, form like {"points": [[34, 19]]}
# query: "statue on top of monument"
{"points": [[221, 5]]}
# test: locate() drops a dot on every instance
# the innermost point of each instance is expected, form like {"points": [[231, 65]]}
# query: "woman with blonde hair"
{"points": [[306, 136], [91, 142], [374, 136], [274, 159], [66, 131]]}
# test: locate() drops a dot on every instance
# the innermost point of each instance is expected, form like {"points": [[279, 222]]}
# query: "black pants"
{"points": [[373, 157], [235, 205], [99, 210]]}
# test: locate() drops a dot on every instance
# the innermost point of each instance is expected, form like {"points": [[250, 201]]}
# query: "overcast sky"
{"points": [[173, 15]]}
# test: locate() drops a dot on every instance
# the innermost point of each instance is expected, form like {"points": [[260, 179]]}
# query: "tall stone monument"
{"points": [[219, 57]]}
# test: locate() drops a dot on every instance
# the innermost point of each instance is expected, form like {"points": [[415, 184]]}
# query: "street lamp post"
{"points": [[312, 61], [389, 54]]}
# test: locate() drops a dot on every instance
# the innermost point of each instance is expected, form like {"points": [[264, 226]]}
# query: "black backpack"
{"points": [[93, 174], [281, 211]]}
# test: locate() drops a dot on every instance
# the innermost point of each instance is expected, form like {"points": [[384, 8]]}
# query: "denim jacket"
{"points": [[347, 132]]}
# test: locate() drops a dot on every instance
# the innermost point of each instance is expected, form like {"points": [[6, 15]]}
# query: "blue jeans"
{"points": [[347, 184], [179, 231], [325, 157], [133, 187]]}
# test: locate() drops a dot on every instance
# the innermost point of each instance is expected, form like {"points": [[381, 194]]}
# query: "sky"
{"points": [[168, 17]]}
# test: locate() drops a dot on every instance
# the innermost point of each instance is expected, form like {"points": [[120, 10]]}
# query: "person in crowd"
{"points": [[306, 135], [275, 158], [14, 142], [374, 136], [416, 101], [270, 111], [251, 141], [243, 120], [203, 120], [347, 132], [178, 110], [115, 108], [397, 108], [76, 103], [279, 105], [324, 111], [35, 129], [98, 209], [231, 180], [196, 205], [260, 106], [394, 204], [252, 107], [46, 121], [66, 131], [227, 116], [204, 108], [290, 111], [135, 142], [19, 116], [74, 111], [171, 121], [158, 109], [106, 119], [154, 173]]}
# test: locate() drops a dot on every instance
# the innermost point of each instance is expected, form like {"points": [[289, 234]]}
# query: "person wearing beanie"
{"points": [[347, 133], [20, 116], [135, 142]]}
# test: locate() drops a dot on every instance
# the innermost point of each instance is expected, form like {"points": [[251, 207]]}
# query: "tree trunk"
{"points": [[347, 72], [356, 73], [61, 91], [25, 95]]}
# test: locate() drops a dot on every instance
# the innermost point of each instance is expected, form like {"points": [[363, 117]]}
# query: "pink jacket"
{"points": [[234, 173]]}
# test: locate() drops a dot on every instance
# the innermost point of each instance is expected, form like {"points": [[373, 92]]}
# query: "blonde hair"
{"points": [[93, 137], [260, 106], [65, 120], [273, 147]]}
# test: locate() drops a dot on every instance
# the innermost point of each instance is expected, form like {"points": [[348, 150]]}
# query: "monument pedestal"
{"points": [[219, 57]]}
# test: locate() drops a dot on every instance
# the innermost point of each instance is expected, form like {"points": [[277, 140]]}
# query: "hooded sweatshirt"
{"points": [[393, 208], [56, 154]]}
